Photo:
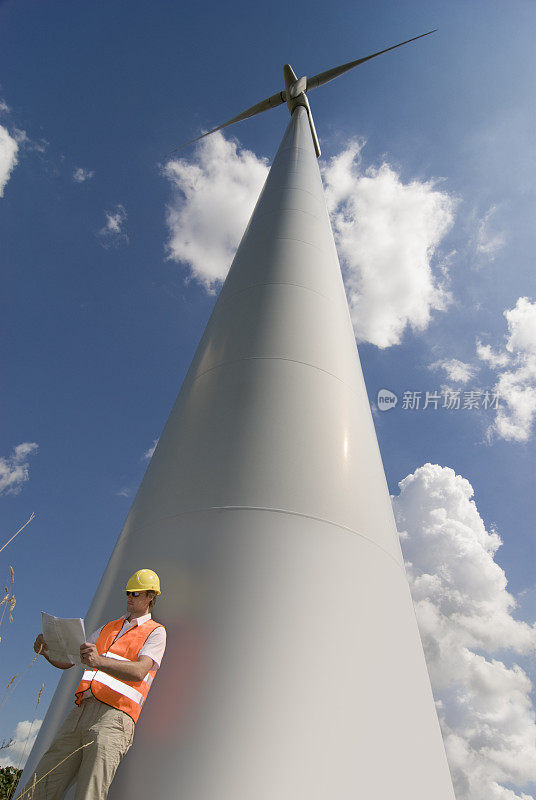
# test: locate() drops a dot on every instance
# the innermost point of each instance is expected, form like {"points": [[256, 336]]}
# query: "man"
{"points": [[121, 660]]}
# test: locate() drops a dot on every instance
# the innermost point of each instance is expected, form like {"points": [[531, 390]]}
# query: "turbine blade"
{"points": [[330, 74], [258, 108]]}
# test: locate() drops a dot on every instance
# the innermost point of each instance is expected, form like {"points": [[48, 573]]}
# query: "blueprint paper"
{"points": [[63, 637]]}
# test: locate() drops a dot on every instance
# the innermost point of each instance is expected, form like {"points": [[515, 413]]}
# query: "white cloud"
{"points": [[522, 327], [112, 235], [490, 357], [388, 235], [23, 140], [15, 470], [518, 389], [21, 137], [11, 143], [23, 737], [465, 616], [8, 157], [80, 174], [150, 451], [388, 232], [488, 242], [457, 371], [516, 386], [124, 492], [214, 195]]}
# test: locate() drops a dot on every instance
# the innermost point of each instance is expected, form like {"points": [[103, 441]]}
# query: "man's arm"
{"points": [[124, 670], [41, 648]]}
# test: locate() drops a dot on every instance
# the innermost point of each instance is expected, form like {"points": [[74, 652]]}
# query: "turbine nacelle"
{"points": [[294, 86], [298, 87], [295, 89], [294, 93]]}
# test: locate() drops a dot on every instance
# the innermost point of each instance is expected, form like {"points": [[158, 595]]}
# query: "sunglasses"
{"points": [[134, 594]]}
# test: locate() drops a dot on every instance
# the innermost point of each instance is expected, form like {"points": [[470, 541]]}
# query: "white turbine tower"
{"points": [[294, 668]]}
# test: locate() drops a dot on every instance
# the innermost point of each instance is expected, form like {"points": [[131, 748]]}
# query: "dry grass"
{"points": [[13, 684], [7, 604], [32, 516], [22, 758], [8, 601], [36, 781]]}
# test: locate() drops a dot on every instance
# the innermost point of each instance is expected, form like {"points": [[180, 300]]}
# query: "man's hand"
{"points": [[124, 670], [40, 646], [89, 655]]}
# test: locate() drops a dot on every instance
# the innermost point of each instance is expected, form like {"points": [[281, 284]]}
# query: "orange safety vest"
{"points": [[127, 696]]}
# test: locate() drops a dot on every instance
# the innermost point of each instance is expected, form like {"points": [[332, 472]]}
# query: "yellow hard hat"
{"points": [[143, 580]]}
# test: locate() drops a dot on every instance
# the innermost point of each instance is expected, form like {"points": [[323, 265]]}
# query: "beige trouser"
{"points": [[110, 731]]}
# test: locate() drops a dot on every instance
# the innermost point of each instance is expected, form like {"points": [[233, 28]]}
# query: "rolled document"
{"points": [[63, 638]]}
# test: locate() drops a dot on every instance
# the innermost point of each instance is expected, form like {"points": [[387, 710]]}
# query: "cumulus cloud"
{"points": [[521, 327], [12, 142], [213, 197], [23, 739], [388, 235], [516, 386], [80, 175], [388, 232], [465, 616], [457, 371], [150, 451], [9, 148], [112, 234], [15, 470]]}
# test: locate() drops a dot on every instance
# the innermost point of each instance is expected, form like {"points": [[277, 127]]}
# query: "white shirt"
{"points": [[154, 645]]}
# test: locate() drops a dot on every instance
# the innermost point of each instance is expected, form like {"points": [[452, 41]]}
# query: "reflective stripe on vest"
{"points": [[90, 674], [127, 696]]}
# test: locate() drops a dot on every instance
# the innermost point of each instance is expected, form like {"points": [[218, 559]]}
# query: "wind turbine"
{"points": [[294, 668], [295, 91]]}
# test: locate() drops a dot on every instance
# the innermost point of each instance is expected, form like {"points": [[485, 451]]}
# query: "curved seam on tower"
{"points": [[291, 187], [267, 213], [324, 520], [286, 185], [273, 358], [227, 296], [262, 214], [294, 147], [294, 239]]}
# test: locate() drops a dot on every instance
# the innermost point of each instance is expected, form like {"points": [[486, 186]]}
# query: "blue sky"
{"points": [[101, 317]]}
